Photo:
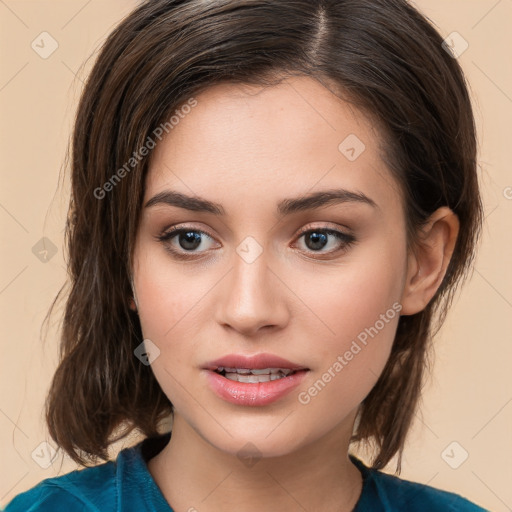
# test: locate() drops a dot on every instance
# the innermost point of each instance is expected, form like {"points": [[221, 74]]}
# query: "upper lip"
{"points": [[255, 362]]}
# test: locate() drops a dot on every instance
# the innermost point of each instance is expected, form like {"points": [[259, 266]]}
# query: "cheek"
{"points": [[170, 303], [357, 313], [169, 299]]}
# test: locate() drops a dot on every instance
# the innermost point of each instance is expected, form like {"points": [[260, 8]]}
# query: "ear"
{"points": [[133, 306], [428, 261]]}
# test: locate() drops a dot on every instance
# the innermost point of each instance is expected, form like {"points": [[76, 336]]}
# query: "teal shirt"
{"points": [[126, 485]]}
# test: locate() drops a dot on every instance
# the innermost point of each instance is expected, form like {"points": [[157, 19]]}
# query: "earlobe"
{"points": [[428, 262]]}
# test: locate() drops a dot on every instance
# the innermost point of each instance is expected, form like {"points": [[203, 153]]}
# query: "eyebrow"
{"points": [[284, 207]]}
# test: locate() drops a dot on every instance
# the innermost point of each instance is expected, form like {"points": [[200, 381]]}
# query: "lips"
{"points": [[235, 378], [255, 362]]}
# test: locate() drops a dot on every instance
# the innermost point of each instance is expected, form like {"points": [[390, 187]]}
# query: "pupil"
{"points": [[190, 237], [319, 240]]}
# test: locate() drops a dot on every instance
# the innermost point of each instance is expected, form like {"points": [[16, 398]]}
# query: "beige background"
{"points": [[469, 398]]}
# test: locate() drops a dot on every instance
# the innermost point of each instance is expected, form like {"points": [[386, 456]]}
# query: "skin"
{"points": [[247, 148]]}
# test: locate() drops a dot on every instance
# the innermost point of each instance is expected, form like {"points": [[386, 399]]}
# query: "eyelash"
{"points": [[347, 240]]}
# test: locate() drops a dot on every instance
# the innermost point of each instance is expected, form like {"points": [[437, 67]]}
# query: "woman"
{"points": [[272, 205]]}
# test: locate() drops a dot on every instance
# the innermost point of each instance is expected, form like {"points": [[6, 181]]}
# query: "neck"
{"points": [[194, 475]]}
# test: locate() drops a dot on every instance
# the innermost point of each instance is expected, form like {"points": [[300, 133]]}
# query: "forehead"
{"points": [[270, 142]]}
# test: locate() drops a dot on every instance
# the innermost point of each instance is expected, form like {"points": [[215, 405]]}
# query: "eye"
{"points": [[319, 238], [188, 242], [184, 242]]}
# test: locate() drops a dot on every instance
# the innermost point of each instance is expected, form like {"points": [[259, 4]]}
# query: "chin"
{"points": [[257, 439]]}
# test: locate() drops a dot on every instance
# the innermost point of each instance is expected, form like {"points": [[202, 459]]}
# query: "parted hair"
{"points": [[383, 56]]}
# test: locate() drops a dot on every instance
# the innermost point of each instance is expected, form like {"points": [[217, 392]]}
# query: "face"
{"points": [[317, 283]]}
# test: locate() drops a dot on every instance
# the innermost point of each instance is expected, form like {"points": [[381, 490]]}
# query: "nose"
{"points": [[253, 297]]}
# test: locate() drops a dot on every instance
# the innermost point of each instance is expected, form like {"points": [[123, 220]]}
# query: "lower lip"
{"points": [[253, 393]]}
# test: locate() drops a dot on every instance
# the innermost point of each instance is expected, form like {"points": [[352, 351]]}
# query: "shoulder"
{"points": [[84, 490], [396, 494]]}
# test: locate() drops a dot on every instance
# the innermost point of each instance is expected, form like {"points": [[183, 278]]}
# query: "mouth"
{"points": [[257, 380], [253, 376]]}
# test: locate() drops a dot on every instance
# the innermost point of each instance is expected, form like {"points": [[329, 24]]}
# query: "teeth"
{"points": [[254, 378], [246, 371]]}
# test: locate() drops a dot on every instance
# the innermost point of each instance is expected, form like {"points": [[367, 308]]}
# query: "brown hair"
{"points": [[382, 54]]}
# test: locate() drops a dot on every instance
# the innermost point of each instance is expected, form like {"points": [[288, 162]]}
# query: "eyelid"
{"points": [[327, 226], [187, 227]]}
